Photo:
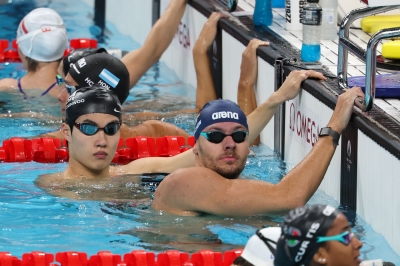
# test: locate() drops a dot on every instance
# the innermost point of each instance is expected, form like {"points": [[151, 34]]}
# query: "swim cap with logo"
{"points": [[103, 70], [91, 100], [218, 111], [257, 251], [41, 35], [77, 54], [301, 227]]}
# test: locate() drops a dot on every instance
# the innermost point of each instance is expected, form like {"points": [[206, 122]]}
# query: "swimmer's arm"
{"points": [[202, 190], [160, 37], [261, 116], [160, 164], [57, 135], [152, 128], [205, 84], [246, 97], [148, 115], [8, 83]]}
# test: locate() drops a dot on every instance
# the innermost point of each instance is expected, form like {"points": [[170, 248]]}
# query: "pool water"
{"points": [[31, 219]]}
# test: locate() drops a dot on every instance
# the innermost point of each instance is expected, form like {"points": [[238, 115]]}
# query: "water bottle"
{"points": [[311, 19], [329, 19], [262, 13], [278, 3]]}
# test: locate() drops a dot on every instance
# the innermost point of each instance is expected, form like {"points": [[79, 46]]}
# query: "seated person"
{"points": [[221, 149], [260, 248], [317, 235], [40, 51]]}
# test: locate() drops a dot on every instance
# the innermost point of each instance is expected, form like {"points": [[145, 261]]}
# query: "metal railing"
{"points": [[368, 56]]}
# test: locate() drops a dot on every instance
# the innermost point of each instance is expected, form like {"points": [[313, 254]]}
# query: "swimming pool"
{"points": [[33, 220]]}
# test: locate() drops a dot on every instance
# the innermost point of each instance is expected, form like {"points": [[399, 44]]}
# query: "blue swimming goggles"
{"points": [[71, 89], [90, 129], [344, 238], [217, 136]]}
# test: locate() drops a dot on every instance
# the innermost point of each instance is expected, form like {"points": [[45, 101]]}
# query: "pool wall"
{"points": [[364, 172]]}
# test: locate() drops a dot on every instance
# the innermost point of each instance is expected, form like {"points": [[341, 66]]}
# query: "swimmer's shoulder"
{"points": [[45, 181], [8, 84]]}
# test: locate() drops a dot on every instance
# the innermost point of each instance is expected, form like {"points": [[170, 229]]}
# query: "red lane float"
{"points": [[50, 150], [135, 258]]}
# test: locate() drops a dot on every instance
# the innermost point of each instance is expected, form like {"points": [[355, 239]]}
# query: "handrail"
{"points": [[345, 45]]}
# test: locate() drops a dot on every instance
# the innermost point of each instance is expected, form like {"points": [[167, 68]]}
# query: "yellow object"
{"points": [[368, 22], [384, 25], [391, 50]]}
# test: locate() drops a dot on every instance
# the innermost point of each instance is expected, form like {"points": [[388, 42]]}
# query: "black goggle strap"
{"points": [[267, 242]]}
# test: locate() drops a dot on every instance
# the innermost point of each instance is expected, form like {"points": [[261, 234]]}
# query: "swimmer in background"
{"points": [[41, 39]]}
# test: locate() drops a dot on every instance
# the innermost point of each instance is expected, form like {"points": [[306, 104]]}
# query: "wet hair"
{"points": [[239, 261], [33, 65]]}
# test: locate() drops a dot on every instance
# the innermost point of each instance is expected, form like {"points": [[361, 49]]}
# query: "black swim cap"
{"points": [[104, 70], [77, 54], [91, 100], [297, 244]]}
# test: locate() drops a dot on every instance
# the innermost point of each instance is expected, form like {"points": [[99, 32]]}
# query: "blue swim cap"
{"points": [[218, 111]]}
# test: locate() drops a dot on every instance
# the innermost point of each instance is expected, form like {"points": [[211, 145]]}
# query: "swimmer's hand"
{"points": [[208, 33], [292, 85]]}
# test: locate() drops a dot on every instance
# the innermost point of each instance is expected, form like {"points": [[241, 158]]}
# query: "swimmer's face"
{"points": [[337, 253], [227, 158], [95, 152], [63, 95]]}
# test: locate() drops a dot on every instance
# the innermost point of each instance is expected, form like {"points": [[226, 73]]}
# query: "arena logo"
{"points": [[223, 114], [304, 126], [183, 35]]}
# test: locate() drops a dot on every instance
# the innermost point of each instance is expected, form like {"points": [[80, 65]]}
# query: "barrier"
{"points": [[135, 258], [51, 150]]}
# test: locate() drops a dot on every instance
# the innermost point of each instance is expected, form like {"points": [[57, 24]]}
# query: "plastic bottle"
{"points": [[311, 18], [329, 27], [263, 13], [278, 3], [294, 9]]}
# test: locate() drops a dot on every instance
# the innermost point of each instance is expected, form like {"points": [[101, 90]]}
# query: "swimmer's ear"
{"points": [[195, 149], [66, 131], [320, 257]]}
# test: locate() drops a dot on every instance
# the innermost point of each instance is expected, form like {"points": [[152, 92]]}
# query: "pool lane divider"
{"points": [[53, 150], [136, 257]]}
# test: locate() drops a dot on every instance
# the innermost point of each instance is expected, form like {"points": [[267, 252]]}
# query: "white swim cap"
{"points": [[42, 36], [256, 250]]}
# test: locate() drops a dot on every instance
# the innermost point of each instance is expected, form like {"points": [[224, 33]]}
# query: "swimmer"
{"points": [[317, 235], [221, 149], [260, 248], [41, 39]]}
